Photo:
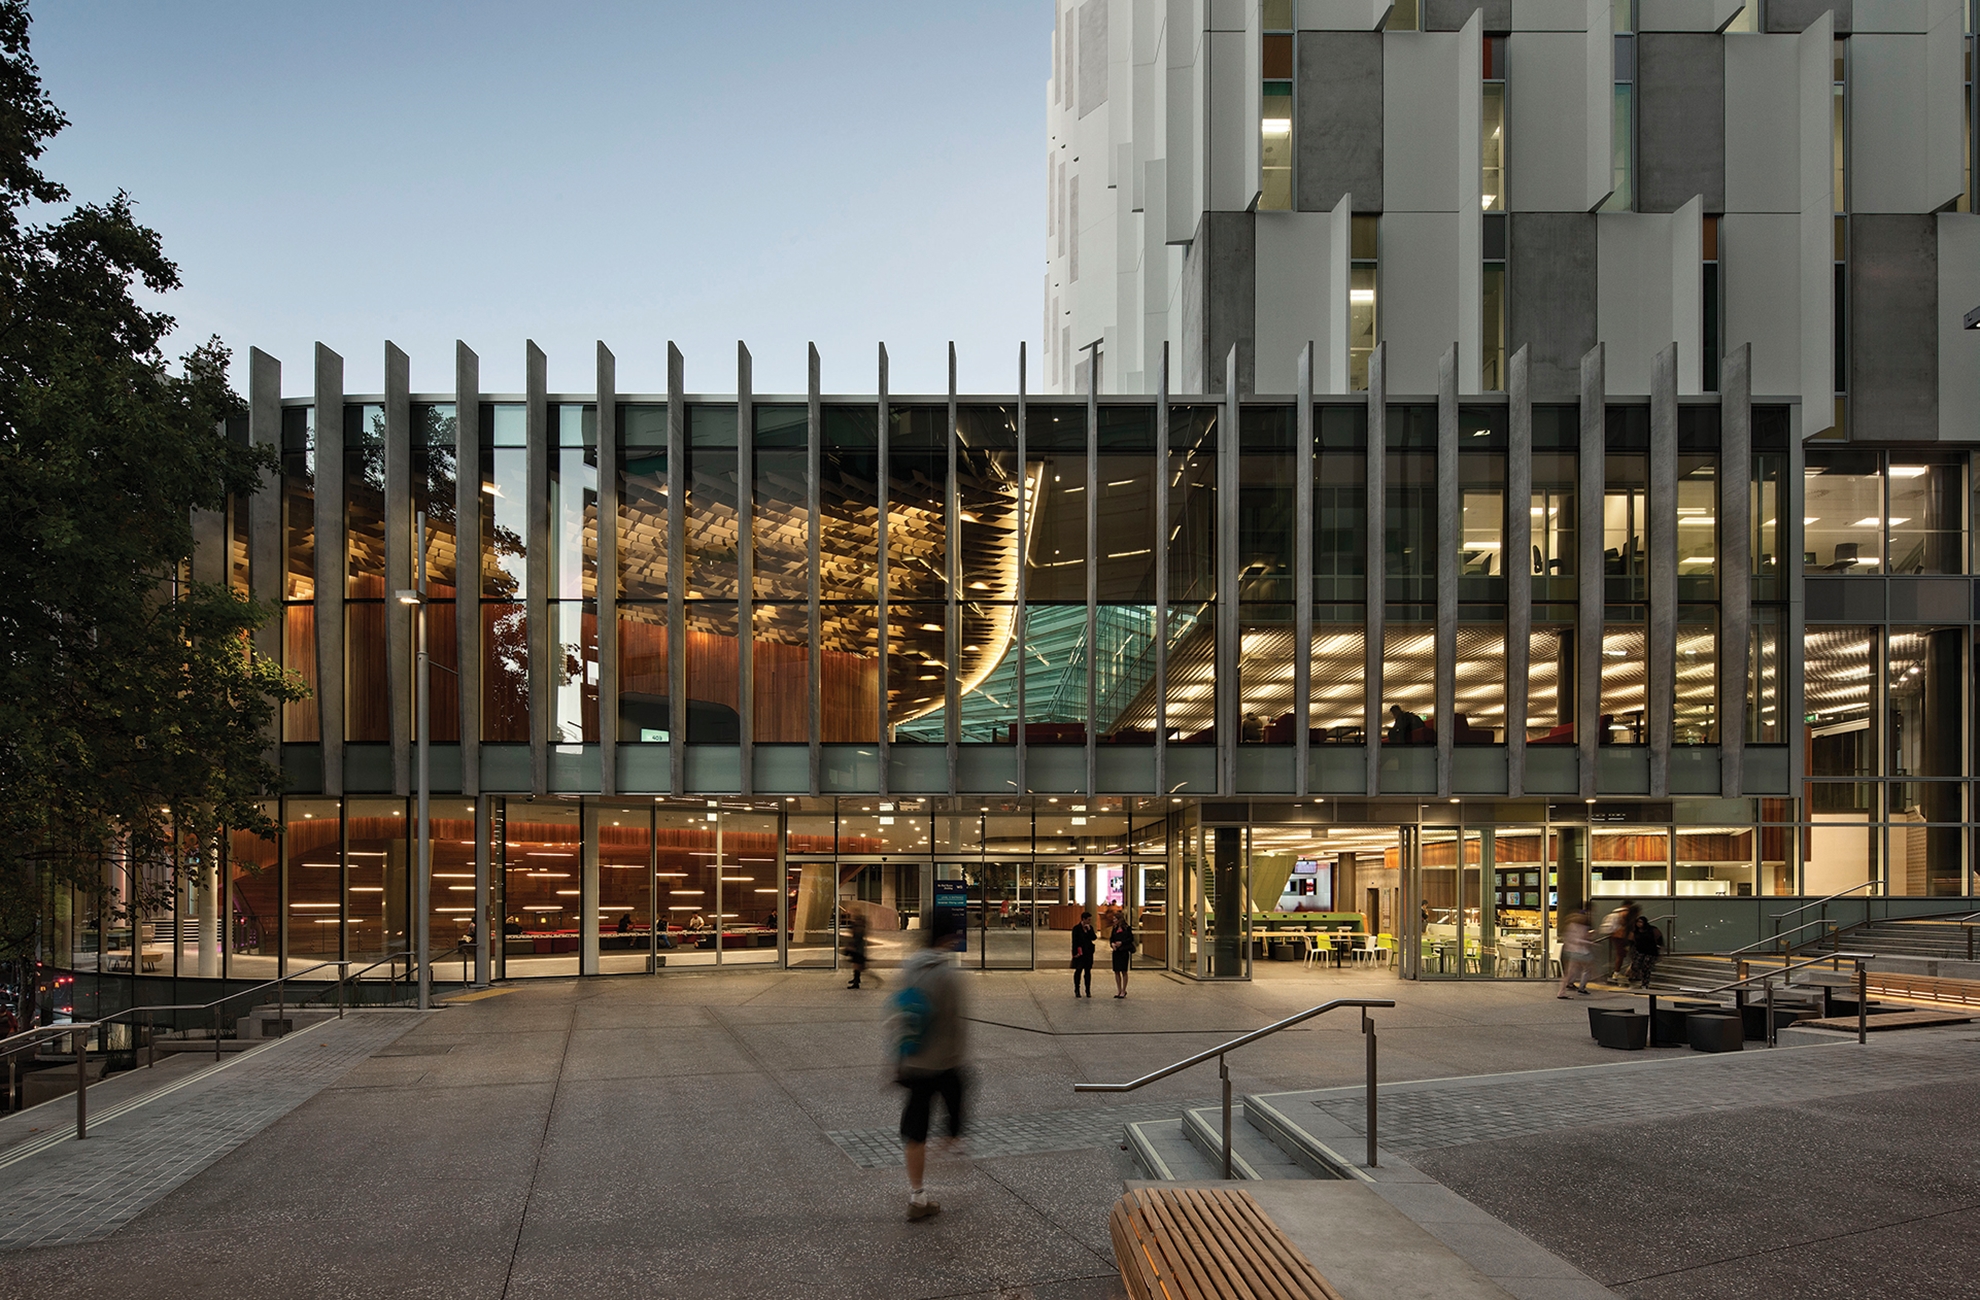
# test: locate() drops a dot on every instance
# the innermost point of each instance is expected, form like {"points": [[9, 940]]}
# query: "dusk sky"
{"points": [[841, 173]]}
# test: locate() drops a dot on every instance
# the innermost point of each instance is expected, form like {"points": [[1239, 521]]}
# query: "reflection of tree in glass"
{"points": [[508, 684]]}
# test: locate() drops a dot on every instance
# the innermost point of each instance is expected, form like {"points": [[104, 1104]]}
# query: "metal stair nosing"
{"points": [[1305, 1150]]}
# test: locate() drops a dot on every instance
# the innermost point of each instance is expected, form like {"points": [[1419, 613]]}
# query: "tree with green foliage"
{"points": [[134, 715]]}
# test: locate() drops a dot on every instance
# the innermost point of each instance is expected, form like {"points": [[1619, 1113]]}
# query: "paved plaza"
{"points": [[732, 1134]]}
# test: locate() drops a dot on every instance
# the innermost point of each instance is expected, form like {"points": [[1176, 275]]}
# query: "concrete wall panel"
{"points": [[1549, 16], [1901, 15], [1634, 315], [1686, 15], [1229, 299], [1421, 317], [1232, 124], [1185, 151], [1420, 137], [1818, 321], [1303, 299], [1681, 121], [1339, 107], [1787, 17], [1765, 292], [1452, 15], [1551, 295], [1550, 164], [1958, 349], [1888, 106], [1762, 127], [1893, 313], [1341, 15], [1090, 50]]}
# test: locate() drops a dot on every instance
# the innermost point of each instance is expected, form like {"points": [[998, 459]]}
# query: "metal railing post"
{"points": [[81, 1037], [342, 967], [1862, 1002], [1224, 1073], [1770, 1013], [281, 1006], [216, 1031], [1368, 1034]]}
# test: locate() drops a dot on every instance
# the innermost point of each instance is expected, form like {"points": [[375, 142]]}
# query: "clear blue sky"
{"points": [[844, 173]]}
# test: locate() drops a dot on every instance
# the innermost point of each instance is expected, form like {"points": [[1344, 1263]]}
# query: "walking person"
{"points": [[929, 1053], [1646, 942], [1085, 941], [1121, 940], [1577, 950], [1616, 928], [856, 949]]}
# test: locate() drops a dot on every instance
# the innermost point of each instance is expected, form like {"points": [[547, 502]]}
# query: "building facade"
{"points": [[1514, 482]]}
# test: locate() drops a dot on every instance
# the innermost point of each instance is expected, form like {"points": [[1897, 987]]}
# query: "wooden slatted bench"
{"points": [[1185, 1243], [1924, 988]]}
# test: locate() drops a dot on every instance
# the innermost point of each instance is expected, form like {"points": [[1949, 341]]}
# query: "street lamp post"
{"points": [[422, 734]]}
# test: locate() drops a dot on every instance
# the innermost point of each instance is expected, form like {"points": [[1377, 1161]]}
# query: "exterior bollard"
{"points": [[82, 1083]]}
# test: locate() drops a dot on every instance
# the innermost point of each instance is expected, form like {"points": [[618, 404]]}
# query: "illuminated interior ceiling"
{"points": [[1836, 686]]}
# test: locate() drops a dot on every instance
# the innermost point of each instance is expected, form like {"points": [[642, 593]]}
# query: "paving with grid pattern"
{"points": [[1432, 1114], [74, 1191], [1035, 1134]]}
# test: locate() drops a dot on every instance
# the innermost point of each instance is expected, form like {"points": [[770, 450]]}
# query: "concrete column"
{"points": [[677, 570], [1588, 567], [266, 543], [1518, 564], [1092, 495], [1161, 572], [330, 564], [1023, 581], [1794, 643], [745, 568], [400, 546], [1376, 586], [952, 615], [588, 890], [884, 495], [1302, 710], [1450, 530], [210, 558], [536, 562], [467, 567], [1230, 699], [608, 572], [814, 659], [1736, 561], [1661, 693]]}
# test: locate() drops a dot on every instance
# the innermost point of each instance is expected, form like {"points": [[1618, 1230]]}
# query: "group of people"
{"points": [[1634, 946], [1086, 941]]}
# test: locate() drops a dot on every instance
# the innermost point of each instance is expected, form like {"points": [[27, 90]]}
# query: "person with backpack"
{"points": [[1121, 939], [929, 1051], [1085, 939], [1647, 943]]}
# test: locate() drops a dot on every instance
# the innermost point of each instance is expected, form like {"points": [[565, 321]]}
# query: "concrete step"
{"points": [[1281, 1119], [1165, 1153], [1253, 1153]]}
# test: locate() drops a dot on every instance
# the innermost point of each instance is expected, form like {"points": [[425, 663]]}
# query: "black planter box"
{"points": [[1625, 1031], [1715, 1031]]}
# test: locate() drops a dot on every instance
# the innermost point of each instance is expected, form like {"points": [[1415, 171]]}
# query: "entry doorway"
{"points": [[1482, 902]]}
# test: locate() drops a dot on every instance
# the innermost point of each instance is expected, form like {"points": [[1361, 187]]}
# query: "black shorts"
{"points": [[922, 1090]]}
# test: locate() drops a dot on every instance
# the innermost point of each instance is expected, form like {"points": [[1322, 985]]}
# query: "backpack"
{"points": [[911, 1011]]}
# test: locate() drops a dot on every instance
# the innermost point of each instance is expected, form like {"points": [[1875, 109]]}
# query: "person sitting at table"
{"points": [[625, 923], [697, 922]]}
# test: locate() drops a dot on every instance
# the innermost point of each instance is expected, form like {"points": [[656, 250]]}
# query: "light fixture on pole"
{"points": [[422, 728]]}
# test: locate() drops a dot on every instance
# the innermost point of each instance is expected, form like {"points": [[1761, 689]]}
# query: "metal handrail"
{"points": [[1782, 916], [1224, 1070], [1775, 938], [1766, 980], [1966, 923]]}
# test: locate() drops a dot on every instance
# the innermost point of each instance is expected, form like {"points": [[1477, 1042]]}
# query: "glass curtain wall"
{"points": [[1695, 718], [848, 576], [1409, 642], [918, 498], [1124, 564], [504, 553], [643, 704], [574, 575], [712, 647], [1056, 653], [780, 582], [299, 717], [1192, 543], [1480, 715], [988, 483], [1550, 656], [1267, 518], [1340, 568], [433, 495], [1626, 577], [367, 699]]}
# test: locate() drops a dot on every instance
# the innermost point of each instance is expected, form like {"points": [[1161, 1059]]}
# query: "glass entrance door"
{"points": [[1439, 920], [1000, 906]]}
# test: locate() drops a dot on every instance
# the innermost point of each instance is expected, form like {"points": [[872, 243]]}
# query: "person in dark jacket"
{"points": [[856, 949], [1085, 940], [1646, 941]]}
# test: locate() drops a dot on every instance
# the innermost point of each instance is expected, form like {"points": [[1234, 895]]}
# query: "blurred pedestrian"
{"points": [[929, 1052], [1646, 943], [1085, 940], [1576, 954], [1121, 940], [1616, 928], [856, 948]]}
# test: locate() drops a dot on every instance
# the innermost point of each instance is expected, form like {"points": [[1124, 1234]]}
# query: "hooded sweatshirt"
{"points": [[933, 972]]}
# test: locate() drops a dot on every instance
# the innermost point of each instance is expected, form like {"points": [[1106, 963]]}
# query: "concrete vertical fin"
{"points": [[400, 549], [1230, 697], [1661, 678], [1735, 512], [266, 562], [331, 562], [536, 563], [1518, 565], [814, 469], [1302, 710], [883, 747], [1588, 569], [677, 571], [608, 571], [745, 568], [1450, 531], [1372, 552], [1023, 582], [467, 563], [1161, 570], [952, 582]]}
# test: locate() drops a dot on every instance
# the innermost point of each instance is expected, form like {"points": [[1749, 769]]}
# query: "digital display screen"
{"points": [[1306, 866]]}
